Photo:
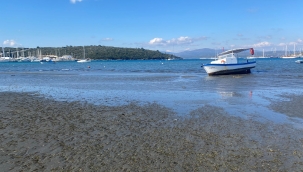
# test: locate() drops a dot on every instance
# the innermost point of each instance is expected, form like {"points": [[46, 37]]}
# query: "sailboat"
{"points": [[84, 60], [297, 56], [290, 56], [263, 55], [4, 58]]}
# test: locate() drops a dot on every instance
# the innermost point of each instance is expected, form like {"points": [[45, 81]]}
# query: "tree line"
{"points": [[93, 52]]}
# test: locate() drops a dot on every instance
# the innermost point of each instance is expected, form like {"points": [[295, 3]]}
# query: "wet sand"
{"points": [[46, 135], [291, 105]]}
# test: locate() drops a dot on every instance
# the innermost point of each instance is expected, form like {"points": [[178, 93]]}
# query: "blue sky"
{"points": [[164, 25]]}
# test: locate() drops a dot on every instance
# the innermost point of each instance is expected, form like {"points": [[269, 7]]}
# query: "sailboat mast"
{"points": [[17, 53], [83, 52]]}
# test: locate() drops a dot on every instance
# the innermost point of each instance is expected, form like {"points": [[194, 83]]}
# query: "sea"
{"points": [[181, 85]]}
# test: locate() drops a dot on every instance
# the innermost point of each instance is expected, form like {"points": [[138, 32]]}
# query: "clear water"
{"points": [[178, 84]]}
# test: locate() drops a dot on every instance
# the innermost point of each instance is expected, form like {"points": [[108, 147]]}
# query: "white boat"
{"points": [[290, 56], [5, 59], [262, 57], [84, 60], [34, 59], [228, 63], [299, 61]]}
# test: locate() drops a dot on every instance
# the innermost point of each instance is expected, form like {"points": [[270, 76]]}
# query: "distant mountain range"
{"points": [[196, 54], [209, 53]]}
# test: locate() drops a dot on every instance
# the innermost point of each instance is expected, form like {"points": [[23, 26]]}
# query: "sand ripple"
{"points": [[46, 135]]}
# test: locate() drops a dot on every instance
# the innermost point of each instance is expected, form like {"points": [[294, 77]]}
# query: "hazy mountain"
{"points": [[196, 54], [209, 53]]}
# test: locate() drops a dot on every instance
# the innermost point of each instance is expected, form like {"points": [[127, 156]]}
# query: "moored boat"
{"points": [[228, 63], [84, 60], [292, 56]]}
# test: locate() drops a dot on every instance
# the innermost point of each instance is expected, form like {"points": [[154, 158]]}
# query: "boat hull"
{"points": [[83, 61], [289, 57], [226, 69]]}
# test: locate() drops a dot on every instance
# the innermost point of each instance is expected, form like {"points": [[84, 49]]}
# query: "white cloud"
{"points": [[262, 44], [75, 1], [299, 41], [107, 39], [283, 38], [157, 41], [9, 43], [182, 40]]}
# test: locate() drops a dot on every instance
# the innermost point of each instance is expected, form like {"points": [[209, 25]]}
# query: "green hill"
{"points": [[94, 52]]}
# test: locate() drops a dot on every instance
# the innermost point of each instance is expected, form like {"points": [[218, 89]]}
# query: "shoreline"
{"points": [[43, 134]]}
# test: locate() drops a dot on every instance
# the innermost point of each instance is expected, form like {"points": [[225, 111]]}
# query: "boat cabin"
{"points": [[226, 59]]}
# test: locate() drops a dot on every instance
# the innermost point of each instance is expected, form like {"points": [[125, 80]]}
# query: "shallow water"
{"points": [[178, 84]]}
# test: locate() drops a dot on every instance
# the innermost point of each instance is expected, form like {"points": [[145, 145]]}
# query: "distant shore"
{"points": [[44, 135]]}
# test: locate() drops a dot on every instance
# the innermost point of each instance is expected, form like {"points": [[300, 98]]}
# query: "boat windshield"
{"points": [[231, 55]]}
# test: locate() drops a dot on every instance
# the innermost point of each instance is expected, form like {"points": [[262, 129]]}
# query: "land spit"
{"points": [[42, 134]]}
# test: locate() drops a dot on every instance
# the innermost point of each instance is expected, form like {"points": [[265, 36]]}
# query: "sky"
{"points": [[164, 25]]}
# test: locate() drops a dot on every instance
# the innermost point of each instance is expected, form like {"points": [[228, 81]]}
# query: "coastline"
{"points": [[43, 134]]}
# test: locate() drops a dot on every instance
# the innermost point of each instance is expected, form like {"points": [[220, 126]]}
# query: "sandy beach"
{"points": [[40, 134]]}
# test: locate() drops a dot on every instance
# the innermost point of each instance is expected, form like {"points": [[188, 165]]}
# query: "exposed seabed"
{"points": [[44, 134]]}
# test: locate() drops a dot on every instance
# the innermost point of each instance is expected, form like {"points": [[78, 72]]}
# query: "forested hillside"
{"points": [[92, 52]]}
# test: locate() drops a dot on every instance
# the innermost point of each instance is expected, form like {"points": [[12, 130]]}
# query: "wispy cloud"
{"points": [[277, 29], [283, 38], [265, 37], [182, 40], [9, 43], [216, 43], [299, 41], [157, 41], [262, 44], [75, 1], [292, 43], [107, 39]]}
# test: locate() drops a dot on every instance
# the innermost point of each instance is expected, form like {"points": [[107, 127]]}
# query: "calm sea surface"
{"points": [[178, 84]]}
